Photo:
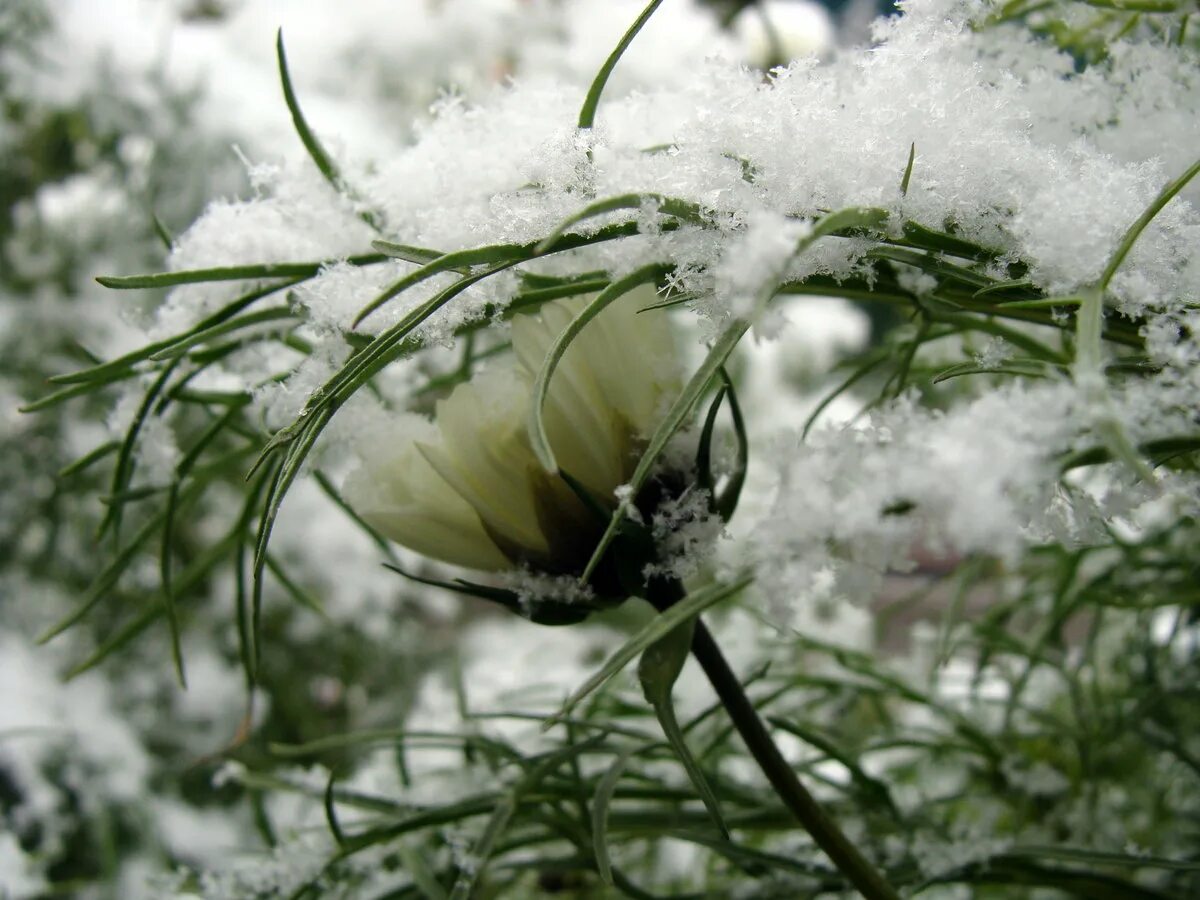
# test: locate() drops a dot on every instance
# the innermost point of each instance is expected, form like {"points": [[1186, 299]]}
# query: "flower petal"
{"points": [[398, 493], [485, 456]]}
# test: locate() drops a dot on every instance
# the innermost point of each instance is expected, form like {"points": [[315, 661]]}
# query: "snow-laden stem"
{"points": [[794, 795]]}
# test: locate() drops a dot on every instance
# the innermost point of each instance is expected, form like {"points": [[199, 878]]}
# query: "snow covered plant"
{"points": [[512, 338]]}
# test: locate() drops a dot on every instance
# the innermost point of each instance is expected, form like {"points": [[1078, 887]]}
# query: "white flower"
{"points": [[468, 490]]}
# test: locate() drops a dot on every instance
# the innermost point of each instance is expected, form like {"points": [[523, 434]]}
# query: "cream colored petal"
{"points": [[613, 350], [448, 540], [397, 492], [635, 358], [485, 455], [613, 382], [578, 421]]}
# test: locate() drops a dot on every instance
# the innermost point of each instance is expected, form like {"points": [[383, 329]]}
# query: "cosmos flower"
{"points": [[467, 488]]}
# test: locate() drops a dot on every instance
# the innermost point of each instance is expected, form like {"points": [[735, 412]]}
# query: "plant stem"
{"points": [[816, 821]]}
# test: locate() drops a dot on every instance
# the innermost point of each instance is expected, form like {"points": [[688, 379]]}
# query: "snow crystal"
{"points": [[684, 532], [853, 501], [533, 587], [994, 353], [754, 263]]}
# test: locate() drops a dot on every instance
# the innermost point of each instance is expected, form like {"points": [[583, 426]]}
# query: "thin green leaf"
{"points": [[182, 345], [705, 478], [1017, 284], [88, 459], [162, 232], [333, 494], [70, 393], [242, 602], [682, 209], [592, 503], [934, 265], [687, 608], [534, 298], [481, 592], [123, 470], [1149, 6], [328, 803], [1135, 230], [849, 218], [671, 423], [458, 261], [283, 477], [1163, 447], [1101, 858], [505, 808], [1089, 376], [601, 803], [754, 861], [323, 161], [217, 428], [1031, 368], [118, 640], [677, 299], [587, 114], [1040, 303], [419, 255], [295, 591], [316, 151], [1005, 869], [658, 669], [497, 255], [107, 579], [132, 495], [857, 375], [536, 280], [124, 364], [232, 273], [871, 788], [168, 591], [188, 578], [1019, 339], [726, 503], [916, 235], [541, 385], [420, 872], [859, 290], [912, 156]]}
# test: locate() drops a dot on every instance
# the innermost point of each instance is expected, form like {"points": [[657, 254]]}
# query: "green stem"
{"points": [[816, 821]]}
